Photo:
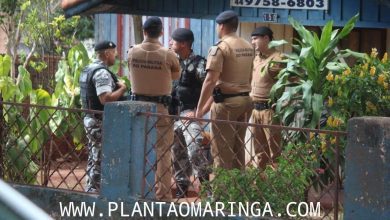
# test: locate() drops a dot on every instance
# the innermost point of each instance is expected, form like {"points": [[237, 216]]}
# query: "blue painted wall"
{"points": [[372, 13], [203, 12]]}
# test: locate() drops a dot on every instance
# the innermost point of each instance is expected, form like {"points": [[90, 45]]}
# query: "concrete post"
{"points": [[124, 148], [367, 183]]}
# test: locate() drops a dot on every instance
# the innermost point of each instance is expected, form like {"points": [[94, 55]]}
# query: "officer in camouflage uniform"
{"points": [[98, 85], [187, 152]]}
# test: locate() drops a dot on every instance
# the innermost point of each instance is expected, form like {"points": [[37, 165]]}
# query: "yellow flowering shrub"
{"points": [[362, 90]]}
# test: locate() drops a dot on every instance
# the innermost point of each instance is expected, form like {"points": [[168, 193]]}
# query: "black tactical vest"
{"points": [[89, 98], [189, 86]]}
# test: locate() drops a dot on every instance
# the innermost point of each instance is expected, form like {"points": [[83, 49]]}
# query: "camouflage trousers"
{"points": [[93, 129], [189, 156]]}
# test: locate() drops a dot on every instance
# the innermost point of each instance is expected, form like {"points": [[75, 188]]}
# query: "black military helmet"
{"points": [[152, 23], [225, 16], [102, 45], [183, 34], [263, 31]]}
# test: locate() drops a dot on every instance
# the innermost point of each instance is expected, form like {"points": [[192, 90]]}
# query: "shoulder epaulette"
{"points": [[216, 44]]}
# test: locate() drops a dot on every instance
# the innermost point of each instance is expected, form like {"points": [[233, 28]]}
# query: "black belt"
{"points": [[164, 99], [236, 94], [261, 106]]}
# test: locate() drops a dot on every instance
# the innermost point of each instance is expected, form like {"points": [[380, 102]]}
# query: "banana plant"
{"points": [[67, 94], [298, 91], [26, 136]]}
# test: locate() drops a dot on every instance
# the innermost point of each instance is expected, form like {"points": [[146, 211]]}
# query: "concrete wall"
{"points": [[367, 183]]}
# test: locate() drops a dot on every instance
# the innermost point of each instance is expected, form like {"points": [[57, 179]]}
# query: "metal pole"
{"points": [[2, 137], [336, 199]]}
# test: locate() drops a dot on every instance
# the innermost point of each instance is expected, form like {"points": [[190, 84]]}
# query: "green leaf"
{"points": [[7, 88], [326, 35], [307, 94], [78, 135], [305, 52], [78, 58], [42, 97], [276, 43], [317, 107], [61, 71], [307, 38], [5, 65], [24, 84], [348, 26], [286, 97], [126, 81], [316, 45], [334, 34], [348, 52], [288, 112], [292, 56], [336, 66]]}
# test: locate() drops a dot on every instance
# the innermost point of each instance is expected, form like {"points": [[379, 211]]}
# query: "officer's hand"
{"points": [[199, 113], [121, 85], [189, 114]]}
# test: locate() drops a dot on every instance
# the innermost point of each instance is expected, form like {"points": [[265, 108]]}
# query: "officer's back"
{"points": [[152, 68]]}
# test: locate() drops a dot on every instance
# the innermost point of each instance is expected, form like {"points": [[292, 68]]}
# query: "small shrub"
{"points": [[280, 186]]}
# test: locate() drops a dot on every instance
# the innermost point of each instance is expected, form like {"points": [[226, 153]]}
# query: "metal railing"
{"points": [[46, 146], [309, 167], [42, 145]]}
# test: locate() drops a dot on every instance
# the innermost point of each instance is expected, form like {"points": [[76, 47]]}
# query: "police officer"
{"points": [[98, 85], [229, 67], [152, 70], [187, 90], [266, 141]]}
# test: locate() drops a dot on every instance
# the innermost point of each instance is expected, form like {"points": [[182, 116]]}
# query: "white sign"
{"points": [[288, 4], [270, 17]]}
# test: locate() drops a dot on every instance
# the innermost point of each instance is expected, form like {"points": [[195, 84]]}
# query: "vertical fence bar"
{"points": [[143, 182], [2, 139], [336, 199]]}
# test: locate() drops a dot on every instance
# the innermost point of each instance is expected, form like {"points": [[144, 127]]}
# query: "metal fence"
{"points": [[306, 172], [43, 145], [46, 146]]}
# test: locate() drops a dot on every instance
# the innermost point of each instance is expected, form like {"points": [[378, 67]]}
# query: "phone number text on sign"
{"points": [[289, 4]]}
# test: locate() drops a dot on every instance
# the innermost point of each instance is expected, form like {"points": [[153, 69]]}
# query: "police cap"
{"points": [[102, 45], [152, 23], [225, 16], [262, 31], [183, 34]]}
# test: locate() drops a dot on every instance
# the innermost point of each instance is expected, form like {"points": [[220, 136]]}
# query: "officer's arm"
{"points": [[207, 90], [113, 96], [175, 67]]}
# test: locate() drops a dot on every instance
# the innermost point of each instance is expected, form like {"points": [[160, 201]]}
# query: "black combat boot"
{"points": [[181, 190]]}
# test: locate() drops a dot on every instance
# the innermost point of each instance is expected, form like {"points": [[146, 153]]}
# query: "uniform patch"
{"points": [[102, 79], [213, 50], [190, 67]]}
